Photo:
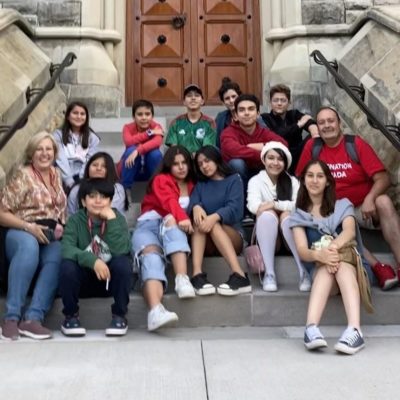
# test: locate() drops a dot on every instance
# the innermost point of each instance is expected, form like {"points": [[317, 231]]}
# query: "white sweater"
{"points": [[261, 190]]}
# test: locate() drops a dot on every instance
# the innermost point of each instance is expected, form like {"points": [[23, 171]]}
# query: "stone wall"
{"points": [[23, 65], [320, 12], [48, 13]]}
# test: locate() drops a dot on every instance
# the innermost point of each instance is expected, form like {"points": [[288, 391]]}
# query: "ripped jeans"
{"points": [[169, 239]]}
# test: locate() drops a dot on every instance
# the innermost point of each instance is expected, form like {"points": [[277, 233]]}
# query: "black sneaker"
{"points": [[201, 285], [118, 326], [72, 327], [236, 284]]}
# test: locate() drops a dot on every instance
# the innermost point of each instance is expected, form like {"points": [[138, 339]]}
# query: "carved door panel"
{"points": [[227, 45], [157, 51], [171, 43]]}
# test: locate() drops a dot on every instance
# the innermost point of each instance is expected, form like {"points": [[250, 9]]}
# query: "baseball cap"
{"points": [[192, 87]]}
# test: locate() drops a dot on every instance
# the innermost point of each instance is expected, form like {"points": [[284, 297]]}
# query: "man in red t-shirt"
{"points": [[363, 183]]}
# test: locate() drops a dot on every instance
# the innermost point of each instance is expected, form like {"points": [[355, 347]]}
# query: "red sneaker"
{"points": [[386, 276]]}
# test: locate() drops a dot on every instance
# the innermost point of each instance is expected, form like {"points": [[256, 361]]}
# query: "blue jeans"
{"points": [[77, 281], [142, 169], [169, 239], [27, 259]]}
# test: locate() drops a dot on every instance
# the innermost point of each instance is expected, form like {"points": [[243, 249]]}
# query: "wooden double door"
{"points": [[171, 43]]}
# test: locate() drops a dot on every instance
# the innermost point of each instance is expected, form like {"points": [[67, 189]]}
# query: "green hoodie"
{"points": [[77, 238]]}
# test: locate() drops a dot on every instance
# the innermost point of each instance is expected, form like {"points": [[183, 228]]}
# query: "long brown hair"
{"points": [[329, 196], [168, 161], [67, 127]]}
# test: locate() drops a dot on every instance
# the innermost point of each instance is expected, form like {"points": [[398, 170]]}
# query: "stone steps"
{"points": [[287, 307]]}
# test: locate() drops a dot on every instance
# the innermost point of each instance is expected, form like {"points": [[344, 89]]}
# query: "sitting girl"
{"points": [[217, 206], [318, 213], [271, 195], [161, 231], [100, 165], [76, 144]]}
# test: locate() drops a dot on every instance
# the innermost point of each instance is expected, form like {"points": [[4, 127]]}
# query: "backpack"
{"points": [[349, 141]]}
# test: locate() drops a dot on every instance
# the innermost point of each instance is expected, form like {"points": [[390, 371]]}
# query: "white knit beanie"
{"points": [[276, 145]]}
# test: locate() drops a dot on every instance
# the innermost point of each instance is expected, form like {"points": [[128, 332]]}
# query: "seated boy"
{"points": [[142, 138], [96, 258], [193, 129], [288, 123]]}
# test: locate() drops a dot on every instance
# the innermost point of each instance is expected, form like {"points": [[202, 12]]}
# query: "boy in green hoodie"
{"points": [[96, 258]]}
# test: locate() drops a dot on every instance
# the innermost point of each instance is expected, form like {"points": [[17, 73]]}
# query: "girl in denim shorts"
{"points": [[317, 215], [161, 234]]}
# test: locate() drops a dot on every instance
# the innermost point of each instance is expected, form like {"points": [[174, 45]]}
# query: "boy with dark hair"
{"points": [[96, 258], [193, 129], [288, 123], [241, 143], [142, 138]]}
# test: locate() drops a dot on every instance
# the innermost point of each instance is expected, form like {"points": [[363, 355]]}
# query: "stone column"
{"points": [[109, 23], [276, 22]]}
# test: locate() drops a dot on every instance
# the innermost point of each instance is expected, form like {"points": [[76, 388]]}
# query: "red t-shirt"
{"points": [[353, 180]]}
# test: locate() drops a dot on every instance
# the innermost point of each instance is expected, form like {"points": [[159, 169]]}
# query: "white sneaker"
{"points": [[269, 283], [158, 316], [183, 287], [305, 283]]}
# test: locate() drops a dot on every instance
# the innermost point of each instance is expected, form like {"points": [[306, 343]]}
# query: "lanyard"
{"points": [[52, 184]]}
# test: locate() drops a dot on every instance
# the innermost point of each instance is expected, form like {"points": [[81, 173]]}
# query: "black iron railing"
{"points": [[357, 94], [33, 98]]}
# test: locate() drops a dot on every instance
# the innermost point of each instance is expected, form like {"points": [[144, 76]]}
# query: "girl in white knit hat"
{"points": [[271, 196]]}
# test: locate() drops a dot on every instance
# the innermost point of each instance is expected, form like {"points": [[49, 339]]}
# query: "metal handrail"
{"points": [[391, 132], [37, 95]]}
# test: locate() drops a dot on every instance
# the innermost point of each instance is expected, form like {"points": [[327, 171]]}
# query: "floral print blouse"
{"points": [[27, 197]]}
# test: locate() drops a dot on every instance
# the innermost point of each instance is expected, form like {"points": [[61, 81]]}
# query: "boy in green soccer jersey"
{"points": [[193, 129]]}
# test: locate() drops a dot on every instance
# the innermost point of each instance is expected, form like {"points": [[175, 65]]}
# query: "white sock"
{"points": [[267, 232], [288, 235]]}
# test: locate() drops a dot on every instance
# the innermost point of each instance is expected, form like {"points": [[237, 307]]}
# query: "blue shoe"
{"points": [[117, 327], [313, 338], [350, 342], [72, 327]]}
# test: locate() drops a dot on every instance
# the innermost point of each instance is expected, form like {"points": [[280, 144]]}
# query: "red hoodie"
{"points": [[234, 141], [164, 197]]}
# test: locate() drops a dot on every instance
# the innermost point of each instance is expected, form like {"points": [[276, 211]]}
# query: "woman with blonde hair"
{"points": [[32, 208]]}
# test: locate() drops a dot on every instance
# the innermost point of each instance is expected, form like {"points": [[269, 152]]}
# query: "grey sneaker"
{"points": [[350, 342], [159, 316], [313, 338], [9, 329], [183, 287], [305, 283], [269, 283], [35, 330]]}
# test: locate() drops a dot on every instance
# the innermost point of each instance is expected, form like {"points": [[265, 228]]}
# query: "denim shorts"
{"points": [[169, 239]]}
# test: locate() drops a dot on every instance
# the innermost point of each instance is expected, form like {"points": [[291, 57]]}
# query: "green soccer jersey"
{"points": [[190, 135]]}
